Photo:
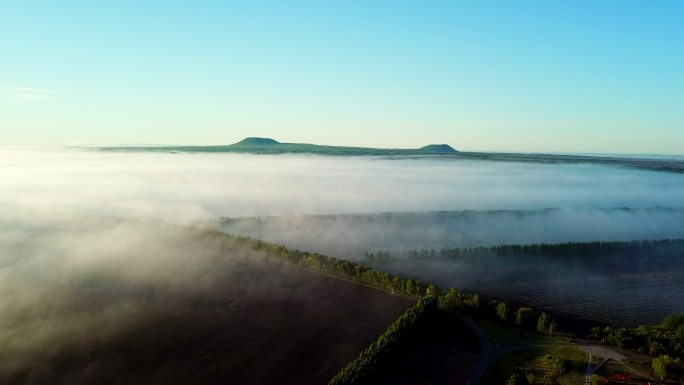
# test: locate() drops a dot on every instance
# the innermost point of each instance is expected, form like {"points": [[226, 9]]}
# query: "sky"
{"points": [[534, 76]]}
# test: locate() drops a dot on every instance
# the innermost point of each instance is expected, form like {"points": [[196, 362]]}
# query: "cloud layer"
{"points": [[64, 260], [186, 187]]}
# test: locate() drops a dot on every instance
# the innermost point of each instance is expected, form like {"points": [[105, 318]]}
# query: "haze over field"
{"points": [[45, 181], [351, 235], [119, 301], [47, 187]]}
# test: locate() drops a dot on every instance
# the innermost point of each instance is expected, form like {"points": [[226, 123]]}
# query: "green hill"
{"points": [[255, 145], [438, 149], [253, 141]]}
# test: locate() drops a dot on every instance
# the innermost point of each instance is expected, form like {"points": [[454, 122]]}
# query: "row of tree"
{"points": [[556, 249], [665, 342], [341, 268], [382, 351], [453, 299], [447, 298]]}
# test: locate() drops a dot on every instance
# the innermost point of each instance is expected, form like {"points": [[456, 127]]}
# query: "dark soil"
{"points": [[440, 350], [255, 322]]}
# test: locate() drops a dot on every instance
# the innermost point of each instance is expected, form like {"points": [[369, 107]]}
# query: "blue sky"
{"points": [[575, 76]]}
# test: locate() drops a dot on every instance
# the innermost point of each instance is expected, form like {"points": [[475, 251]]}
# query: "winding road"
{"points": [[485, 345]]}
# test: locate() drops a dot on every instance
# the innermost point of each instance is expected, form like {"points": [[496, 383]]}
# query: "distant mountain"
{"points": [[255, 145], [438, 149], [253, 141], [272, 146]]}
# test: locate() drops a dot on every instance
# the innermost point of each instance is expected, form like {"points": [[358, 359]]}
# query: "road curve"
{"points": [[485, 346]]}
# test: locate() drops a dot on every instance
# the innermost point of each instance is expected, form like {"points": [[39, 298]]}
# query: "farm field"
{"points": [[623, 283], [176, 306], [630, 300], [629, 286]]}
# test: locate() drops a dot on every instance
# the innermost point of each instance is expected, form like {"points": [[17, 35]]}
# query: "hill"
{"points": [[271, 146], [253, 141], [256, 145], [265, 146], [438, 148]]}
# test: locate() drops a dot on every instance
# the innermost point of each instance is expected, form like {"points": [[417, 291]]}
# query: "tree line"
{"points": [[665, 342], [540, 249], [382, 351], [451, 298], [341, 268]]}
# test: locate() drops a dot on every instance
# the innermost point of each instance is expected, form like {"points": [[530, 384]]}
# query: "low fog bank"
{"points": [[187, 187], [76, 280], [350, 236], [105, 300], [72, 288]]}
